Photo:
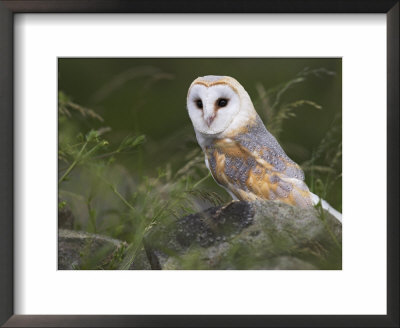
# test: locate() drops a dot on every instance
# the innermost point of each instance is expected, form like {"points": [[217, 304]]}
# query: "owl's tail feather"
{"points": [[325, 205]]}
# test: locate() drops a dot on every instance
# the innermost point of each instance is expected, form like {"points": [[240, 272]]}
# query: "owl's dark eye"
{"points": [[222, 102], [199, 104]]}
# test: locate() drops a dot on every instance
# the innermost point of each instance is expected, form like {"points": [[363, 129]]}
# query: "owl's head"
{"points": [[217, 104]]}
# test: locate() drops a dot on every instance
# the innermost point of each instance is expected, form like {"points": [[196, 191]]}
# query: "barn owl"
{"points": [[242, 156]]}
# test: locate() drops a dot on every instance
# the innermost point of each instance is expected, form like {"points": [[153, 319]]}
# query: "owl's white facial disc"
{"points": [[212, 108]]}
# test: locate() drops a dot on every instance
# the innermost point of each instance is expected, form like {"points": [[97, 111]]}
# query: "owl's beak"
{"points": [[210, 119]]}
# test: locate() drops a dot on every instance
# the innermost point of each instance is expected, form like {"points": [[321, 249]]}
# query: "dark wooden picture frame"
{"points": [[10, 7]]}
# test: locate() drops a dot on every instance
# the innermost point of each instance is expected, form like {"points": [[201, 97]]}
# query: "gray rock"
{"points": [[243, 235], [82, 250]]}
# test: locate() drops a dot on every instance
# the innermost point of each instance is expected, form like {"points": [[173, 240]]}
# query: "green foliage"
{"points": [[271, 103], [61, 205], [100, 184], [324, 168], [66, 106]]}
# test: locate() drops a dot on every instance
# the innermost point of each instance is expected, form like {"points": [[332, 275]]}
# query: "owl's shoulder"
{"points": [[264, 147]]}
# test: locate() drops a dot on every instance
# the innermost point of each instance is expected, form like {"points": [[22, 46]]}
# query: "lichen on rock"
{"points": [[248, 235]]}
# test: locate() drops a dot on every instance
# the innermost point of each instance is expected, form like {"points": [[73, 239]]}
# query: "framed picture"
{"points": [[109, 110]]}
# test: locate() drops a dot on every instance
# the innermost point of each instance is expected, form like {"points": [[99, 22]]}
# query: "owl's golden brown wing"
{"points": [[252, 166]]}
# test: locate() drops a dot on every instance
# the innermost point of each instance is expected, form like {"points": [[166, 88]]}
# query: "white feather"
{"points": [[326, 206]]}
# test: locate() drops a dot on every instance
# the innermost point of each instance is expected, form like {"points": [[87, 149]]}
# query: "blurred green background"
{"points": [[147, 97]]}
